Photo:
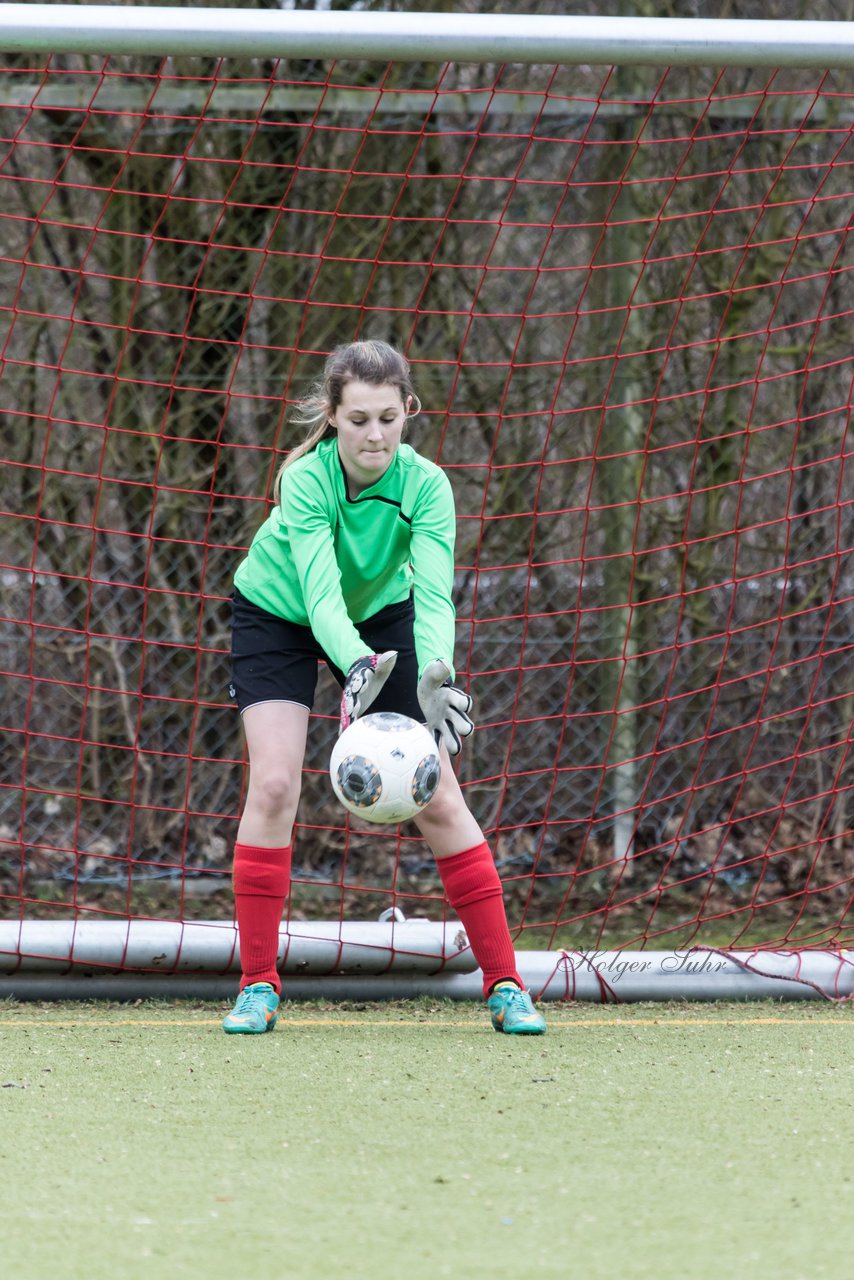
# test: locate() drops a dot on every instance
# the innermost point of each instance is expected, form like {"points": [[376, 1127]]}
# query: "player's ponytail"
{"points": [[365, 361]]}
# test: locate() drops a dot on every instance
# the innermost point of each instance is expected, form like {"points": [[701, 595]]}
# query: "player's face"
{"points": [[369, 421]]}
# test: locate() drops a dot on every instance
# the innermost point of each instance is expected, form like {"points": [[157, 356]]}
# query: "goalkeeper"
{"points": [[354, 565]]}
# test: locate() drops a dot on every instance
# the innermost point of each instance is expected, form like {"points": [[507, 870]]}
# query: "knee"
{"points": [[274, 792], [446, 806]]}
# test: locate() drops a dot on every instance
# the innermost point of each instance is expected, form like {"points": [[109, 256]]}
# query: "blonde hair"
{"points": [[367, 360]]}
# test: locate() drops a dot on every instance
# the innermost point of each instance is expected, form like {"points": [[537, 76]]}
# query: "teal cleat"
{"points": [[254, 1011], [513, 1011]]}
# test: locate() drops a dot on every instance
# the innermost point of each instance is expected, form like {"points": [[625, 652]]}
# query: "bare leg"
{"points": [[447, 824], [275, 736]]}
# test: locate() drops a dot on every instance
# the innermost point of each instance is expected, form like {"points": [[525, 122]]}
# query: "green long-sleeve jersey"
{"points": [[325, 560]]}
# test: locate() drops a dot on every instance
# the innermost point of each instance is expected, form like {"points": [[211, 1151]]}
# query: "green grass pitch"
{"points": [[409, 1142]]}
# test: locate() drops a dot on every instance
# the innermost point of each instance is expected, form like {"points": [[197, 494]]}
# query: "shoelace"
{"points": [[245, 1001], [515, 997]]}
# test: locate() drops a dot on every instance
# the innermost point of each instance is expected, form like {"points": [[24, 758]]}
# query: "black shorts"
{"points": [[276, 661]]}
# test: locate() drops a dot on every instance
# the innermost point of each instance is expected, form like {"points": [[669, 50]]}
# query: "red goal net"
{"points": [[625, 294]]}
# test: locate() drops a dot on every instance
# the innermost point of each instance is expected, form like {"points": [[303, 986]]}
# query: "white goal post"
{"points": [[389, 959], [396, 957], [525, 38]]}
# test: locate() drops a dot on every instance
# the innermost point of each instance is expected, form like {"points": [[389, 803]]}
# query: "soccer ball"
{"points": [[385, 767]]}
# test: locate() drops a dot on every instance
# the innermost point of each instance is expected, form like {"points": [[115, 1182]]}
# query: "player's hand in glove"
{"points": [[445, 707], [364, 680]]}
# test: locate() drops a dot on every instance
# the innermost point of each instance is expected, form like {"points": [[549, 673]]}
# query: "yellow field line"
{"points": [[426, 1023]]}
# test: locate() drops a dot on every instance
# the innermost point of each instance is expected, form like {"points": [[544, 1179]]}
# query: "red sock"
{"points": [[474, 891], [261, 880]]}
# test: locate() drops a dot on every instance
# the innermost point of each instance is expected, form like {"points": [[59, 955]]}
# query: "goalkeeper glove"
{"points": [[364, 681], [445, 707]]}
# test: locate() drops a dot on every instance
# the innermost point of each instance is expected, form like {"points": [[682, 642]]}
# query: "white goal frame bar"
{"points": [[424, 37], [392, 958]]}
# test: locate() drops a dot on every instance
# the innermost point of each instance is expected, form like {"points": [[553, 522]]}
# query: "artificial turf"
{"points": [[409, 1142]]}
